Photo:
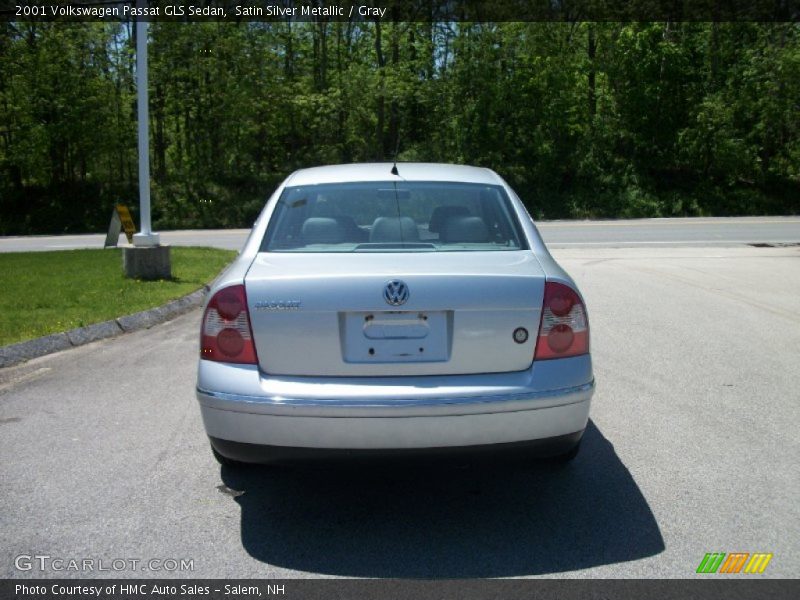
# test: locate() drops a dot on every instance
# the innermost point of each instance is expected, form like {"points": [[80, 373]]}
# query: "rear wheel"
{"points": [[225, 461], [566, 457]]}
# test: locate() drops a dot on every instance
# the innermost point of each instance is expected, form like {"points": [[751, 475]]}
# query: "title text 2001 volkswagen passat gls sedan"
{"points": [[380, 309]]}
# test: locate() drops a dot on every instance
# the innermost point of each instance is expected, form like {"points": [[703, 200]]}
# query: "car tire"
{"points": [[566, 457], [225, 461]]}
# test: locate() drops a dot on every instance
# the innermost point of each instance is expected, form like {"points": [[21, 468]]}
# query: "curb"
{"points": [[55, 342]]}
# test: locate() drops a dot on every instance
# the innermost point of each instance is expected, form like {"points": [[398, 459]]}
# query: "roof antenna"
{"points": [[396, 152]]}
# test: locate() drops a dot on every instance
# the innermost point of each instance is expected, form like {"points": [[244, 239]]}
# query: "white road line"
{"points": [[672, 242], [662, 223]]}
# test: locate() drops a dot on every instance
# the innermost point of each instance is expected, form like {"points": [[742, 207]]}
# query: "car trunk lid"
{"points": [[330, 314]]}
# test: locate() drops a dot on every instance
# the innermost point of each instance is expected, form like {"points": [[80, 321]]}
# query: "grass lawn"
{"points": [[48, 292]]}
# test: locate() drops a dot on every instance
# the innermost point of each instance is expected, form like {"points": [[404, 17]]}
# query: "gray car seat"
{"points": [[322, 230], [440, 215], [388, 230], [465, 230]]}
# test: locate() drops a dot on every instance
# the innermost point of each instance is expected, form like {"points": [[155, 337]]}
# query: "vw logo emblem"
{"points": [[396, 293]]}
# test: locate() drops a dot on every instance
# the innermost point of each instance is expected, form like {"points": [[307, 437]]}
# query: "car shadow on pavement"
{"points": [[462, 521]]}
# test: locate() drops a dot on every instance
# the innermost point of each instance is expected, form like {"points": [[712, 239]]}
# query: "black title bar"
{"points": [[403, 10], [375, 589]]}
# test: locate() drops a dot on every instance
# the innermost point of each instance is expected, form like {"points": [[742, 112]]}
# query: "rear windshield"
{"points": [[392, 216]]}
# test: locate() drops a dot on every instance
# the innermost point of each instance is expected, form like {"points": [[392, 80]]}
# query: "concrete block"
{"points": [[140, 320], [17, 353], [91, 333], [145, 262]]}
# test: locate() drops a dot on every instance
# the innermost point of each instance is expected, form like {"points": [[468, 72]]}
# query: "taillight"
{"points": [[564, 330], [226, 335]]}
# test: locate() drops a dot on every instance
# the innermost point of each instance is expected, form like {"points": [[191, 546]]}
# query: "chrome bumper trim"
{"points": [[347, 407]]}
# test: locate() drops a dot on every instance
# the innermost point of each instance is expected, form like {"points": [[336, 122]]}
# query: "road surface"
{"points": [[692, 448], [722, 231]]}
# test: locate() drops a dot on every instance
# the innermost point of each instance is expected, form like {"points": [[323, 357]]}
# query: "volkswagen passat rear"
{"points": [[393, 310]]}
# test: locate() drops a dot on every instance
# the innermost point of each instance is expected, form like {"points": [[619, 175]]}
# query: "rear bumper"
{"points": [[239, 404], [242, 409]]}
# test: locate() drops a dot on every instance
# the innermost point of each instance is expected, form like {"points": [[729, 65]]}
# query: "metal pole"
{"points": [[145, 237]]}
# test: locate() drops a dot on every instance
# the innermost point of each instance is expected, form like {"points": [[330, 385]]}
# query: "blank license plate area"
{"points": [[396, 336]]}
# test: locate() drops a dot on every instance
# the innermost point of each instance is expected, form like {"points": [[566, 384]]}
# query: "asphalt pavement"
{"points": [[701, 232], [691, 448]]}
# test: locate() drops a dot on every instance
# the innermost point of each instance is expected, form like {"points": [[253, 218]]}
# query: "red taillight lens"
{"points": [[229, 304], [564, 330], [226, 334]]}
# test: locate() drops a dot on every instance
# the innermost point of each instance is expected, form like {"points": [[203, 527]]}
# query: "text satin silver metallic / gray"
{"points": [[375, 313]]}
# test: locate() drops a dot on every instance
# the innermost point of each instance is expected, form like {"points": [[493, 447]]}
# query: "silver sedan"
{"points": [[381, 309]]}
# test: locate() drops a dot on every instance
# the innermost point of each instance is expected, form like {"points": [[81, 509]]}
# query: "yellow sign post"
{"points": [[127, 222]]}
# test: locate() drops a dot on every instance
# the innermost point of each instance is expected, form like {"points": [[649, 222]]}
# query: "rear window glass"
{"points": [[393, 216]]}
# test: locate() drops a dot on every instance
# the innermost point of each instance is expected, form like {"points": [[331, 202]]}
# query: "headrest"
{"points": [[441, 213], [322, 230], [465, 230], [387, 229]]}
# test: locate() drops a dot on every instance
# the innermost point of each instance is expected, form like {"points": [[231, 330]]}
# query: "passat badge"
{"points": [[277, 305]]}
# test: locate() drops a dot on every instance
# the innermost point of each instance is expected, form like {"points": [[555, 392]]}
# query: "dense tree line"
{"points": [[583, 119]]}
